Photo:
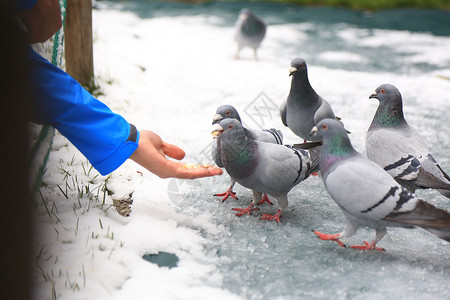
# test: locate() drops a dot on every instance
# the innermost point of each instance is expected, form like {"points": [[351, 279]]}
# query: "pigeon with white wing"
{"points": [[367, 194], [262, 167], [398, 148]]}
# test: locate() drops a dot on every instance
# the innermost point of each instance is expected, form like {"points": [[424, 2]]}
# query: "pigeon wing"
{"points": [[283, 112], [279, 167], [397, 151], [377, 194], [324, 112]]}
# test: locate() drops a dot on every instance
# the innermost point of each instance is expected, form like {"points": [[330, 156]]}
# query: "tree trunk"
{"points": [[78, 41]]}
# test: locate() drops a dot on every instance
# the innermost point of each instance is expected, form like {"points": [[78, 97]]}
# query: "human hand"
{"points": [[42, 20], [151, 154]]}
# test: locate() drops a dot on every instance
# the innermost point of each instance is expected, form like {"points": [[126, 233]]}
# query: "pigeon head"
{"points": [[298, 65], [336, 145], [390, 110], [244, 14], [245, 11], [226, 112], [228, 129], [328, 128], [387, 93]]}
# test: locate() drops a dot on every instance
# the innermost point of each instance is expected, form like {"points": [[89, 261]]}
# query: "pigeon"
{"points": [[367, 194], [262, 167], [303, 108], [250, 31], [271, 135], [398, 148]]}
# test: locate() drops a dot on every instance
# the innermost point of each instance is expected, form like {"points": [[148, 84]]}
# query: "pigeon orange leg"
{"points": [[265, 198], [248, 210], [227, 194], [275, 217], [330, 237], [368, 246]]}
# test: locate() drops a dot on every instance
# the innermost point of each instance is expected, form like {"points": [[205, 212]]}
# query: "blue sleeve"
{"points": [[104, 137], [23, 4]]}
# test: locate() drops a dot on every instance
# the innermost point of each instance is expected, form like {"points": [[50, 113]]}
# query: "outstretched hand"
{"points": [[151, 154]]}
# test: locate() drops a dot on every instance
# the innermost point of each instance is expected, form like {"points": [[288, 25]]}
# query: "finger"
{"points": [[198, 173], [173, 151], [180, 170]]}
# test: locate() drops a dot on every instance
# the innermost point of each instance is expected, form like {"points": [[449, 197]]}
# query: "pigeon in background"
{"points": [[271, 135], [303, 108], [262, 167], [250, 31], [368, 195], [398, 148]]}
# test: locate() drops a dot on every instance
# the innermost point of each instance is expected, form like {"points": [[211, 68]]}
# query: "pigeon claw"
{"points": [[368, 246], [265, 198], [275, 217], [330, 237], [248, 210], [227, 194]]}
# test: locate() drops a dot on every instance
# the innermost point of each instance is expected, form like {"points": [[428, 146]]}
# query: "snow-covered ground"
{"points": [[168, 72]]}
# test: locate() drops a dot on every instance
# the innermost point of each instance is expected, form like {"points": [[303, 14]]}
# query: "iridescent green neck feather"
{"points": [[334, 149], [388, 116]]}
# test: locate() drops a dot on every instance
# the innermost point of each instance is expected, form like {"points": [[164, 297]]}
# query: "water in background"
{"points": [[325, 33]]}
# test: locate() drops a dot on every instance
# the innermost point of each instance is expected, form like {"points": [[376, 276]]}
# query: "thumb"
{"points": [[173, 151]]}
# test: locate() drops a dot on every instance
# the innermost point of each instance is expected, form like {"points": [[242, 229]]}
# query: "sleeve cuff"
{"points": [[116, 159]]}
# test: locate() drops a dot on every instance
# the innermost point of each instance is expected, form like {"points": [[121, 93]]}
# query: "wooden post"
{"points": [[78, 41]]}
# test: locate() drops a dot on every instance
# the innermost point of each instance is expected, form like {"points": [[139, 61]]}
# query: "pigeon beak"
{"points": [[292, 70], [314, 131], [217, 118], [374, 95], [217, 130], [243, 16]]}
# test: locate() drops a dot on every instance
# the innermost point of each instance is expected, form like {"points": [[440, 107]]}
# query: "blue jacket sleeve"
{"points": [[23, 4], [104, 137]]}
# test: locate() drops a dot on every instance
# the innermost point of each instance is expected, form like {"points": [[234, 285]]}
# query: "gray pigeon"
{"points": [[250, 31], [368, 195], [398, 148], [303, 108], [271, 135], [262, 167]]}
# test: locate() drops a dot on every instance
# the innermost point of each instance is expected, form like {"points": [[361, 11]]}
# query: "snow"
{"points": [[168, 71]]}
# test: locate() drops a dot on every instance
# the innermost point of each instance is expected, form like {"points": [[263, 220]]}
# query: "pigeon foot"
{"points": [[265, 198], [275, 217], [227, 194], [367, 246], [247, 210], [330, 237]]}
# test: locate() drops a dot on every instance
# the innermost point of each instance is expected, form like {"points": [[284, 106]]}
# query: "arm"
{"points": [[151, 154], [42, 20], [104, 137]]}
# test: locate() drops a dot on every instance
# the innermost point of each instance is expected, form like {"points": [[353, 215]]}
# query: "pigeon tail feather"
{"points": [[442, 233], [446, 193], [315, 158], [277, 134], [427, 217]]}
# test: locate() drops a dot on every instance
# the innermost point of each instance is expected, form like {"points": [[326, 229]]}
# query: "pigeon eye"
{"points": [[227, 113], [324, 126], [383, 91], [230, 126]]}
